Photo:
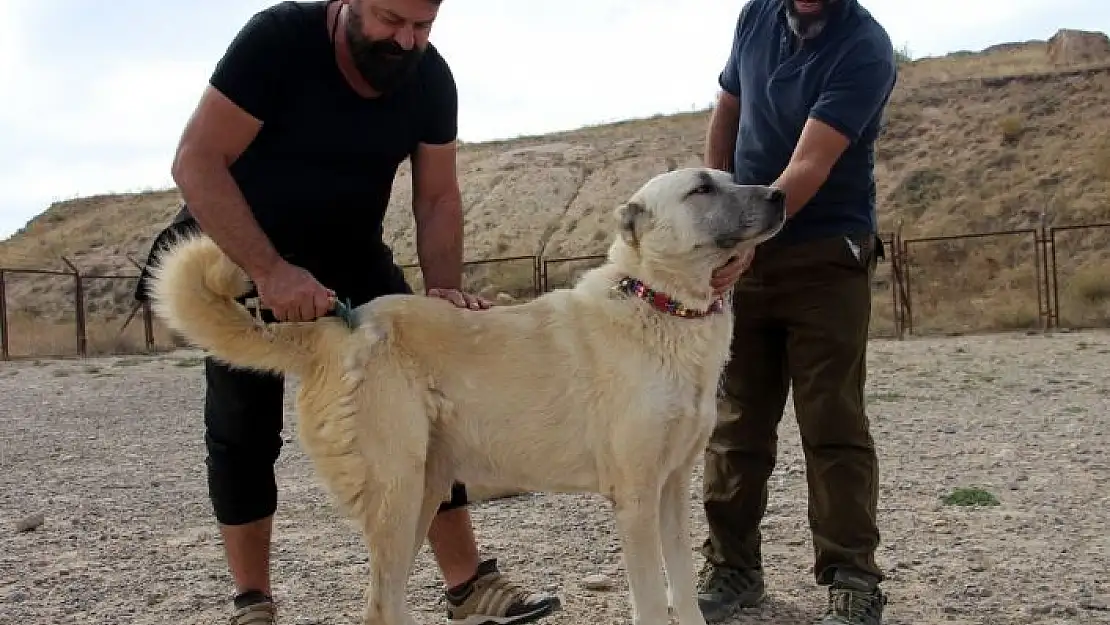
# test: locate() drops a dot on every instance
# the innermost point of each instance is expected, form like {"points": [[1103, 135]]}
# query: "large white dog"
{"points": [[609, 387]]}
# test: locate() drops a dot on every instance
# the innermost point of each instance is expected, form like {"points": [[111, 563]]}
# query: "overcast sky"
{"points": [[95, 93]]}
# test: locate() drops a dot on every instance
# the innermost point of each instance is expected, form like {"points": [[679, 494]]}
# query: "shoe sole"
{"points": [[725, 613], [528, 617]]}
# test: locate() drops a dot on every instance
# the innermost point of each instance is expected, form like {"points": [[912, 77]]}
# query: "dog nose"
{"points": [[777, 195]]}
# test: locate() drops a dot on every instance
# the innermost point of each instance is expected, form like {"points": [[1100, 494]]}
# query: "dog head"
{"points": [[680, 226]]}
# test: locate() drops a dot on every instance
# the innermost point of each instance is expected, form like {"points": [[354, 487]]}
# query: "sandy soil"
{"points": [[110, 452]]}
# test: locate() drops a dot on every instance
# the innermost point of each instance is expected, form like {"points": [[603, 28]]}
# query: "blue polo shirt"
{"points": [[842, 77]]}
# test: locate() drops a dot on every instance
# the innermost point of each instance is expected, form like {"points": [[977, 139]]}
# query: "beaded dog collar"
{"points": [[664, 302]]}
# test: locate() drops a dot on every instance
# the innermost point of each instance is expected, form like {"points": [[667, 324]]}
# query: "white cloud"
{"points": [[96, 94]]}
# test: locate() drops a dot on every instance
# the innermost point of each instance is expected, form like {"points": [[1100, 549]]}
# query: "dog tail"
{"points": [[193, 290]]}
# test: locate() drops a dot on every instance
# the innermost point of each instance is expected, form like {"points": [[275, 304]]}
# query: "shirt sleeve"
{"points": [[441, 113], [729, 78], [856, 92], [249, 73]]}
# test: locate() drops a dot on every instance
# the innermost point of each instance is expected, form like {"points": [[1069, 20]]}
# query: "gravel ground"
{"points": [[110, 453]]}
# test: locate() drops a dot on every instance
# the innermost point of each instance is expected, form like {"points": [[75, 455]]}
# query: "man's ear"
{"points": [[633, 220]]}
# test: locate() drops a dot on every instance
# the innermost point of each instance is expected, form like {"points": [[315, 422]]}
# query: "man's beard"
{"points": [[808, 26], [383, 64]]}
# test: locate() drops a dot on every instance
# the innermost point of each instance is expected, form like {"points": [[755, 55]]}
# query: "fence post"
{"points": [[895, 279], [907, 296], [148, 318], [1041, 276], [537, 278], [5, 348], [79, 315], [1055, 277]]}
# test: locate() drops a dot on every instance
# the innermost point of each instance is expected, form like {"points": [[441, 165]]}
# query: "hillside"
{"points": [[974, 142]]}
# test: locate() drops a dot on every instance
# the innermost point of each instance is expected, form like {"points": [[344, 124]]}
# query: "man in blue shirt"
{"points": [[801, 102]]}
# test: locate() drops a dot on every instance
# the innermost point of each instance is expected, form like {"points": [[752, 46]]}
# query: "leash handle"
{"points": [[342, 309]]}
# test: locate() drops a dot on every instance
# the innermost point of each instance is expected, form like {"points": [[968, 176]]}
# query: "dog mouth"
{"points": [[728, 261], [727, 242]]}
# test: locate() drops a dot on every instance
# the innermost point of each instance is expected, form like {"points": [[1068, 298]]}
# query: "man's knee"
{"points": [[243, 420], [241, 493]]}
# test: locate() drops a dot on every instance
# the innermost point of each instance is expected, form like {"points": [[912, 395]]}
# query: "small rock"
{"points": [[598, 582], [30, 523]]}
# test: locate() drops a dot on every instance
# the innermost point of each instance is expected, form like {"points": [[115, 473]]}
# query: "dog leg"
{"points": [[437, 482], [637, 520], [675, 521], [389, 537]]}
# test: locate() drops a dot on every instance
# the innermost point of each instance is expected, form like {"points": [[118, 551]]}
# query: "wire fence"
{"points": [[1034, 279]]}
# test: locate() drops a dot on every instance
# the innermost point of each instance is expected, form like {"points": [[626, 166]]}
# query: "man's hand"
{"points": [[725, 277], [461, 299], [293, 294]]}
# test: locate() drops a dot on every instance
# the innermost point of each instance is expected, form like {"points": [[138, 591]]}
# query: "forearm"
{"points": [[439, 242], [800, 181], [720, 137], [217, 204]]}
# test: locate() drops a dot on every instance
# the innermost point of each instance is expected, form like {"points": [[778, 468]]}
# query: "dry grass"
{"points": [[980, 142], [33, 338]]}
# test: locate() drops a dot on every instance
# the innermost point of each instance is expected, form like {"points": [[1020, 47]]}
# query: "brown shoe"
{"points": [[253, 608], [490, 598]]}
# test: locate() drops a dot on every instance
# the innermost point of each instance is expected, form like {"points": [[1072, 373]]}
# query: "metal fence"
{"points": [[1026, 279]]}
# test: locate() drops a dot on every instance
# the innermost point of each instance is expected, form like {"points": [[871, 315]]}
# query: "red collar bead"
{"points": [[663, 302]]}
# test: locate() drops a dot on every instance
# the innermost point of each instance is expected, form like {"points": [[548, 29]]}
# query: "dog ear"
{"points": [[633, 219]]}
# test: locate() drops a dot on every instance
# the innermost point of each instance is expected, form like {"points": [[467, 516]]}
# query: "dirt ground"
{"points": [[110, 452]]}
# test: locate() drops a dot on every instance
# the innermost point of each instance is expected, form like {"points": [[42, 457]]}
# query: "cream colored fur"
{"points": [[580, 390]]}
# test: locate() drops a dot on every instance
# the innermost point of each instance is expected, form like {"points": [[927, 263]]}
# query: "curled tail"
{"points": [[193, 289]]}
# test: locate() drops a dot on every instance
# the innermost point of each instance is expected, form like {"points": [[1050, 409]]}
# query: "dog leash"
{"points": [[346, 312]]}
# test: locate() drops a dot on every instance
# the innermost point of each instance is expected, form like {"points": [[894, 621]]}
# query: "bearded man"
{"points": [[288, 163], [800, 107]]}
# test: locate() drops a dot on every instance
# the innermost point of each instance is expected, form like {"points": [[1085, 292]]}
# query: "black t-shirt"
{"points": [[318, 177]]}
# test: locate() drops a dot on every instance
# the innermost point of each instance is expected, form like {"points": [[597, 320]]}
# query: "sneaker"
{"points": [[253, 608], [490, 598], [854, 601], [724, 590]]}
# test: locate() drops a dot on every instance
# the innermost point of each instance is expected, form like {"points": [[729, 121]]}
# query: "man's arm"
{"points": [[216, 134], [437, 209], [436, 198], [855, 94], [245, 88], [720, 137], [243, 92], [817, 151]]}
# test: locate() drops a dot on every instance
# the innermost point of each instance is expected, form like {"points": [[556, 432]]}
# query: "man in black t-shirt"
{"points": [[288, 163]]}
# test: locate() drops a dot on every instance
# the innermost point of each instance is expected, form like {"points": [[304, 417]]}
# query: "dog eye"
{"points": [[704, 189]]}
